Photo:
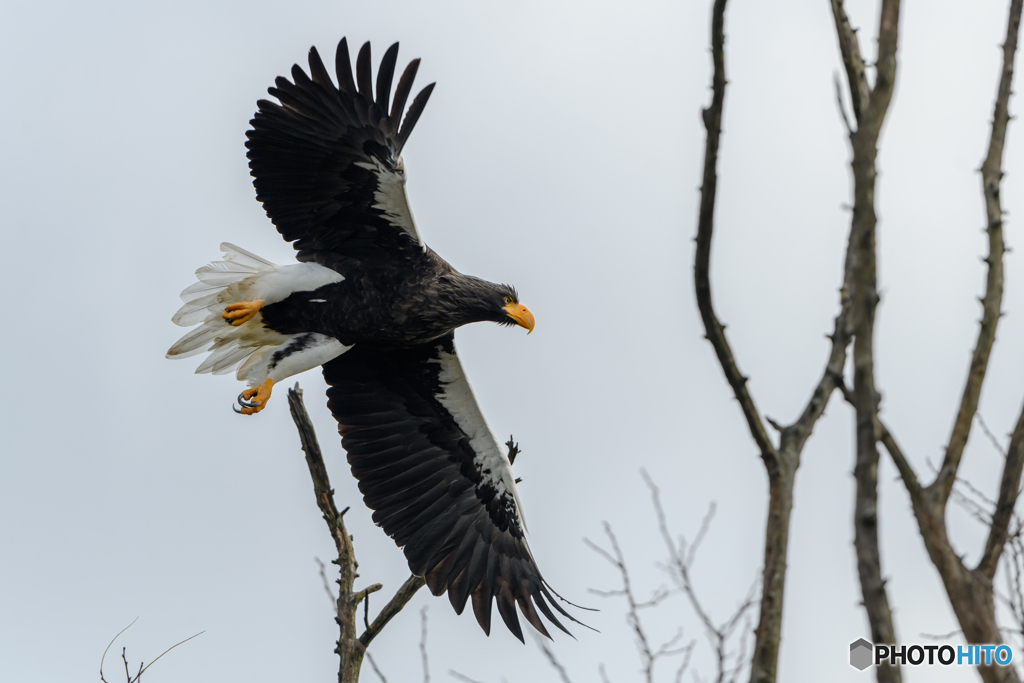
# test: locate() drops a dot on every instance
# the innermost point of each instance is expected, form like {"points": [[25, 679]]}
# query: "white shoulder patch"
{"points": [[491, 459], [391, 197]]}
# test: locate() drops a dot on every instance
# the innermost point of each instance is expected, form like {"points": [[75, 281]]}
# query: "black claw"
{"points": [[243, 402], [236, 409]]}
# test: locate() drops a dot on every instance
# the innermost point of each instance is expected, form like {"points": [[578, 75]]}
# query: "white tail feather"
{"points": [[244, 276], [244, 258], [204, 303], [196, 339]]}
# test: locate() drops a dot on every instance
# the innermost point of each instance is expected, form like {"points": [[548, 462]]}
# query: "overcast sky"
{"points": [[560, 152]]}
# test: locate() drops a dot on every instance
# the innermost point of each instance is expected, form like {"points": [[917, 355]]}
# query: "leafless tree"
{"points": [[680, 557], [781, 459], [970, 590]]}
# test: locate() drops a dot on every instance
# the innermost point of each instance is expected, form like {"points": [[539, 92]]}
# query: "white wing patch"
{"points": [[491, 459], [391, 197]]}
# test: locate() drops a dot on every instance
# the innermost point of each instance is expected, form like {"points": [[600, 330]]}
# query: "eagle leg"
{"points": [[255, 399], [241, 312]]}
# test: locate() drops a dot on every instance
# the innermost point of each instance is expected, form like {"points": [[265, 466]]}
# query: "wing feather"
{"points": [[418, 104], [326, 161], [403, 89], [364, 73], [343, 67], [319, 72], [436, 479], [385, 73]]}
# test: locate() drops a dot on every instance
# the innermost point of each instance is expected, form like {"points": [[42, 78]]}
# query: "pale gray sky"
{"points": [[560, 152]]}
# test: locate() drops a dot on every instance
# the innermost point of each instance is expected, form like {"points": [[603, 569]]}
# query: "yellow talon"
{"points": [[255, 399], [242, 312]]}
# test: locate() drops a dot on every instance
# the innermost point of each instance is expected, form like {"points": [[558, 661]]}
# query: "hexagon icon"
{"points": [[860, 654]]}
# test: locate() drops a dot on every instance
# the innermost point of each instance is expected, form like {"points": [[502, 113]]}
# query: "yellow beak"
{"points": [[521, 315]]}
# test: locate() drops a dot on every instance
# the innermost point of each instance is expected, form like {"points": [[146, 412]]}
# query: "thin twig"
{"points": [[991, 437], [681, 561], [552, 659], [124, 655], [423, 644], [111, 643], [649, 656], [839, 103], [376, 669], [401, 597], [168, 650], [465, 679], [327, 585]]}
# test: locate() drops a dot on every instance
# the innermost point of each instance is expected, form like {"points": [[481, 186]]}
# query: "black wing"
{"points": [[326, 160], [437, 480]]}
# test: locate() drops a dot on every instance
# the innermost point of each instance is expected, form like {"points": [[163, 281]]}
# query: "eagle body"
{"points": [[409, 302], [375, 307]]}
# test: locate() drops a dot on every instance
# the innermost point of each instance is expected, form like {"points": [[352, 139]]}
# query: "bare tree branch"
{"points": [[781, 462], [402, 596], [970, 591], [870, 106], [681, 559], [856, 75], [1009, 490], [350, 649], [991, 176], [714, 329]]}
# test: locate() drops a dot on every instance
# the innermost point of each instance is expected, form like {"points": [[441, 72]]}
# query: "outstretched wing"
{"points": [[326, 160], [437, 480]]}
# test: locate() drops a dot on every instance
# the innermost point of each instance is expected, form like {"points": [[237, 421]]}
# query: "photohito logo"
{"points": [[864, 654]]}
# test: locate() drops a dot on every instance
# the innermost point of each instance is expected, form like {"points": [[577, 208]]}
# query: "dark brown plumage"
{"points": [[327, 167]]}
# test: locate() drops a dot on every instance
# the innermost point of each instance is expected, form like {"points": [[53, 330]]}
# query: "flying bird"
{"points": [[376, 307]]}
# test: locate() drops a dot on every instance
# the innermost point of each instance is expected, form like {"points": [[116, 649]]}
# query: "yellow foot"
{"points": [[242, 312], [255, 399]]}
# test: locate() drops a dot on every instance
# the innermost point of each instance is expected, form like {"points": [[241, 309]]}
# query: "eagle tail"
{"points": [[221, 283], [259, 353]]}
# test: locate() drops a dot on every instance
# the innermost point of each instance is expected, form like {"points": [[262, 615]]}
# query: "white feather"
{"points": [[197, 291], [391, 197], [244, 276], [491, 459], [216, 277], [245, 258], [195, 339], [223, 360]]}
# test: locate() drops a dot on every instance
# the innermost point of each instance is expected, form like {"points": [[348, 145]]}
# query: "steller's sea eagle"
{"points": [[377, 308]]}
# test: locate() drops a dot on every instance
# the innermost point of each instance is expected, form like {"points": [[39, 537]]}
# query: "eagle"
{"points": [[373, 305]]}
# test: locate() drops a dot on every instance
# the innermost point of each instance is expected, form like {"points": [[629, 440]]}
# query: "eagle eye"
{"points": [[508, 300]]}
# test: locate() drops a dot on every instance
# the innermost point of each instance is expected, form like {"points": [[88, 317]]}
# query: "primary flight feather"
{"points": [[377, 308]]}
